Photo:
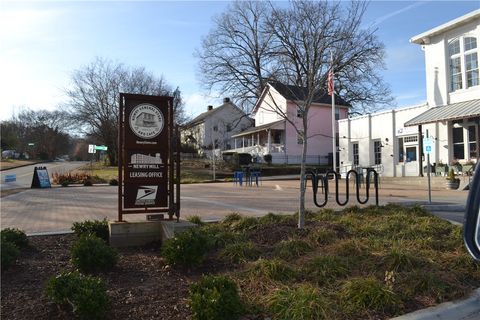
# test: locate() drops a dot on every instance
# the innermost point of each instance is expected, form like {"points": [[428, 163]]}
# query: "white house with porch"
{"points": [[393, 140], [277, 114]]}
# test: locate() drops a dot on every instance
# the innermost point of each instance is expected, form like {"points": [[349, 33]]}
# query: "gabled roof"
{"points": [[454, 111], [296, 93], [423, 38], [201, 117]]}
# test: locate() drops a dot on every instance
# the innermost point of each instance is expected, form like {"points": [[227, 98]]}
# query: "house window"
{"points": [[472, 141], [337, 113], [215, 128], [355, 154], [299, 112], [300, 137], [229, 127], [410, 139], [377, 152], [463, 54], [458, 145]]}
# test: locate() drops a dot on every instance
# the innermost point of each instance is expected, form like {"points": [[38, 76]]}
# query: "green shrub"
{"points": [[87, 295], [292, 248], [196, 219], [326, 268], [275, 269], [267, 158], [187, 248], [9, 254], [300, 303], [364, 294], [15, 236], [91, 254], [113, 182], [98, 228], [215, 298], [65, 183], [239, 252], [88, 183]]}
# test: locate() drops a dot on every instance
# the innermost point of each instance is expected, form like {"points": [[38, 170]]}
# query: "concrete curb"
{"points": [[467, 309]]}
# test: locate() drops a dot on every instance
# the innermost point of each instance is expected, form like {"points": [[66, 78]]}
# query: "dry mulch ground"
{"points": [[141, 286]]}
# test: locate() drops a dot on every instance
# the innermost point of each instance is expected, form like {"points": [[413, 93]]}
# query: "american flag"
{"points": [[330, 82]]}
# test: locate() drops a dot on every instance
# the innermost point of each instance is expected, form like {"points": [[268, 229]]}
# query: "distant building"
{"points": [[276, 136], [214, 128], [391, 141]]}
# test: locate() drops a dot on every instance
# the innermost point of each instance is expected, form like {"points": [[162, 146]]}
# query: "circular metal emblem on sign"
{"points": [[146, 121]]}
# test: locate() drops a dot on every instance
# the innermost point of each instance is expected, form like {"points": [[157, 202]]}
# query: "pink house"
{"points": [[274, 135]]}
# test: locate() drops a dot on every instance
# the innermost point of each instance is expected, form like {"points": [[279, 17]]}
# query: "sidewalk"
{"points": [[55, 209]]}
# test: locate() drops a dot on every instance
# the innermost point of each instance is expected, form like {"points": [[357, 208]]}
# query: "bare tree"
{"points": [[299, 42], [42, 134], [242, 51], [235, 57], [314, 37], [94, 95]]}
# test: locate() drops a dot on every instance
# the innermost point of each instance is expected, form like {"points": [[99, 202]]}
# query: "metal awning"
{"points": [[454, 111], [272, 125]]}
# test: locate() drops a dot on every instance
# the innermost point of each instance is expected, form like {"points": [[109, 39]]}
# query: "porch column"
{"points": [[243, 144], [258, 138], [269, 141], [235, 143], [420, 151]]}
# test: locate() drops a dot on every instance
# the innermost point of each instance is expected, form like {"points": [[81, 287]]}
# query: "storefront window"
{"points": [[458, 145]]}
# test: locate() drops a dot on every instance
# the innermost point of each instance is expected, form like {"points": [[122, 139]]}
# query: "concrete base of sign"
{"points": [[138, 233]]}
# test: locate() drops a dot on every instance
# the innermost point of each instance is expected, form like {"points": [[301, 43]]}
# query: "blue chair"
{"points": [[254, 176], [238, 177]]}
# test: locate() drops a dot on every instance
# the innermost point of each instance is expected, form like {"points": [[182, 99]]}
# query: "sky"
{"points": [[43, 42]]}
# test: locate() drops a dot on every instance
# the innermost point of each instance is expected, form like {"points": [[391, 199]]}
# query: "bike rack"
{"points": [[316, 178]]}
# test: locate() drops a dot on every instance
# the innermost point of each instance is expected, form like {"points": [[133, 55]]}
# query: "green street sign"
{"points": [[104, 148]]}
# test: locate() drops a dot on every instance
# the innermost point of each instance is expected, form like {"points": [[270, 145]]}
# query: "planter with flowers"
{"points": [[452, 181]]}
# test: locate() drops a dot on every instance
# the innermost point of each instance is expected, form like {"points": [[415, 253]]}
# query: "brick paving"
{"points": [[55, 209]]}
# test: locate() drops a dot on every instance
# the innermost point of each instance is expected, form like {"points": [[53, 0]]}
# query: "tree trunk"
{"points": [[301, 209]]}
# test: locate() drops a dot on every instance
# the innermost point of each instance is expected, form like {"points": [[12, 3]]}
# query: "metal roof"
{"points": [[454, 111], [271, 125]]}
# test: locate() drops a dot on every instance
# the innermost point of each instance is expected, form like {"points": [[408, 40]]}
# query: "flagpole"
{"points": [[334, 144]]}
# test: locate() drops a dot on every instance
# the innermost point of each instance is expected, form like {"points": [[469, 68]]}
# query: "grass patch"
{"points": [[276, 270], [299, 303], [361, 295], [368, 263], [239, 252], [326, 269], [292, 248]]}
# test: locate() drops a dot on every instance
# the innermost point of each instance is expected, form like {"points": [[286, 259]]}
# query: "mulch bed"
{"points": [[141, 286]]}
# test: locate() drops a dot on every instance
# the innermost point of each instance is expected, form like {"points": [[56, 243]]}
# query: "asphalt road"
{"points": [[24, 175]]}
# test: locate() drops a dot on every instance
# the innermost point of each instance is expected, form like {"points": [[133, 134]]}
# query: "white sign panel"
{"points": [[91, 148], [428, 146]]}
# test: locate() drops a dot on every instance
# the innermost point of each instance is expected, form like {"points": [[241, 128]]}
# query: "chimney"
{"points": [[226, 100], [209, 108]]}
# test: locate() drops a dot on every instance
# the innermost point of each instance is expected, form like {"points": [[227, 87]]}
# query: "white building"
{"points": [[215, 127], [392, 141]]}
